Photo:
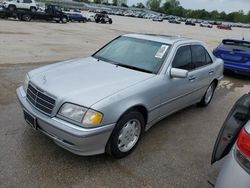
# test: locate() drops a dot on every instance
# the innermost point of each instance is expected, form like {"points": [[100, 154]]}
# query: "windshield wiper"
{"points": [[133, 68]]}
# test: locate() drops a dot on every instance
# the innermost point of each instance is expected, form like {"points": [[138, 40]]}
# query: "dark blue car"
{"points": [[76, 17], [236, 55]]}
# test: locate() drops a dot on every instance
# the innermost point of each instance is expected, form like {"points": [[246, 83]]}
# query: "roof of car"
{"points": [[160, 38]]}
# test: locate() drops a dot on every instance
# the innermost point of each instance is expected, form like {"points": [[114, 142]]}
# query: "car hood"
{"points": [[84, 81]]}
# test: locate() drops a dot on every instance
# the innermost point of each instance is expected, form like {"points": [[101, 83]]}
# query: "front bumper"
{"points": [[73, 138]]}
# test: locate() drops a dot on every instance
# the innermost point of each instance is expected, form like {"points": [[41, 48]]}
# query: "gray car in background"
{"points": [[234, 141], [105, 102]]}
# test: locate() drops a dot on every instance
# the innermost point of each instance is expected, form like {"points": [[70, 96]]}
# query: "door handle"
{"points": [[211, 72], [192, 78]]}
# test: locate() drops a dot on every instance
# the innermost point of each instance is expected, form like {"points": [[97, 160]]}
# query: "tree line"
{"points": [[173, 7]]}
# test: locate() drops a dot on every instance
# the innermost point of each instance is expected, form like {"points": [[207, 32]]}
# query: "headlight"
{"points": [[26, 82], [83, 116]]}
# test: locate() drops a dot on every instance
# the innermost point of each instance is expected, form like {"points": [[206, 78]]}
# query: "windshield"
{"points": [[137, 54]]}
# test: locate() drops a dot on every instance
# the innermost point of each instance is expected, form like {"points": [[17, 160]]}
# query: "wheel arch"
{"points": [[216, 81], [140, 108]]}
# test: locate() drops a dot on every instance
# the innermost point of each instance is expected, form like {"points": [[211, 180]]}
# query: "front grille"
{"points": [[41, 101]]}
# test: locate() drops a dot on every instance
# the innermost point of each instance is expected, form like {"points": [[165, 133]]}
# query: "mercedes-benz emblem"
{"points": [[44, 79]]}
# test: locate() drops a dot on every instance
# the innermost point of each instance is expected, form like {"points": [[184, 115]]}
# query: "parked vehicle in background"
{"points": [[13, 5], [51, 13], [130, 84], [103, 18], [236, 55], [158, 19], [190, 22], [91, 18], [76, 17], [224, 26], [175, 21], [206, 24], [233, 141]]}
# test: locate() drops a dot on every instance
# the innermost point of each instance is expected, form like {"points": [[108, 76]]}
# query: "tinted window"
{"points": [[208, 58], [27, 1], [198, 56], [182, 58]]}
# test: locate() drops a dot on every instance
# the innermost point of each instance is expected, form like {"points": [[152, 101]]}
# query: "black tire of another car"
{"points": [[110, 21], [26, 17], [33, 9], [208, 96], [123, 129], [64, 19], [12, 8]]}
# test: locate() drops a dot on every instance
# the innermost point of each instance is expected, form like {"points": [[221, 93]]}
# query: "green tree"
{"points": [[115, 2], [98, 1], [154, 5], [139, 5]]}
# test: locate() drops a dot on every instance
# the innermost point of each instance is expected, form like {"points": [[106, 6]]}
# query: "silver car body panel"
{"points": [[112, 90], [232, 174]]}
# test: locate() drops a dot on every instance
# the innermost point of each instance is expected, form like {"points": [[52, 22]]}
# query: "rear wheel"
{"points": [[126, 135], [208, 95], [12, 8], [64, 20], [110, 21], [33, 9], [26, 17]]}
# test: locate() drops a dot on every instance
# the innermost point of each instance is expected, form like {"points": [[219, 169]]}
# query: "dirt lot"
{"points": [[174, 153], [22, 42]]}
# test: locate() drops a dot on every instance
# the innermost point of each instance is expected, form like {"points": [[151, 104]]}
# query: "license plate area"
{"points": [[31, 120]]}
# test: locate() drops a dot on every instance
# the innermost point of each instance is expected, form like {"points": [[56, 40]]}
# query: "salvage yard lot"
{"points": [[176, 152]]}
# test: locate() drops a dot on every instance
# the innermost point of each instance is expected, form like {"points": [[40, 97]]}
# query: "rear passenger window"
{"points": [[208, 58], [182, 58], [200, 56]]}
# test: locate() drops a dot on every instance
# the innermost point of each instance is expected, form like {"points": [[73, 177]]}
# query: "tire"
{"points": [[33, 9], [26, 17], [208, 96], [126, 135], [64, 20], [110, 21], [12, 8]]}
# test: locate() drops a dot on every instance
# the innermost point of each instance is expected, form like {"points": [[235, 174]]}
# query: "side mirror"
{"points": [[178, 73], [18, 1]]}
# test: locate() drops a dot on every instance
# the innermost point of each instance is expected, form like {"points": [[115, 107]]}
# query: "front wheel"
{"points": [[208, 95], [126, 135]]}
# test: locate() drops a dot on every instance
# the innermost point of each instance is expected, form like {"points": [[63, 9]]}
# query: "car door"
{"points": [[201, 72], [26, 4], [235, 121], [176, 92]]}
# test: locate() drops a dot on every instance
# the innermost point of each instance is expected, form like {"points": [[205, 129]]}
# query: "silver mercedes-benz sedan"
{"points": [[105, 102]]}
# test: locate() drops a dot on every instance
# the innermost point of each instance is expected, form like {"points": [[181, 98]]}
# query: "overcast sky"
{"points": [[220, 5]]}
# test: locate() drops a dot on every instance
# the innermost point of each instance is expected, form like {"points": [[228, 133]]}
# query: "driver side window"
{"points": [[182, 59]]}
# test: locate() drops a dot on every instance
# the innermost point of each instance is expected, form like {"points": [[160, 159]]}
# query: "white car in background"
{"points": [[206, 24], [91, 18], [12, 5]]}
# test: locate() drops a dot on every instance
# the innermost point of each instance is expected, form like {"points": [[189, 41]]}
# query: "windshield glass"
{"points": [[138, 54]]}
